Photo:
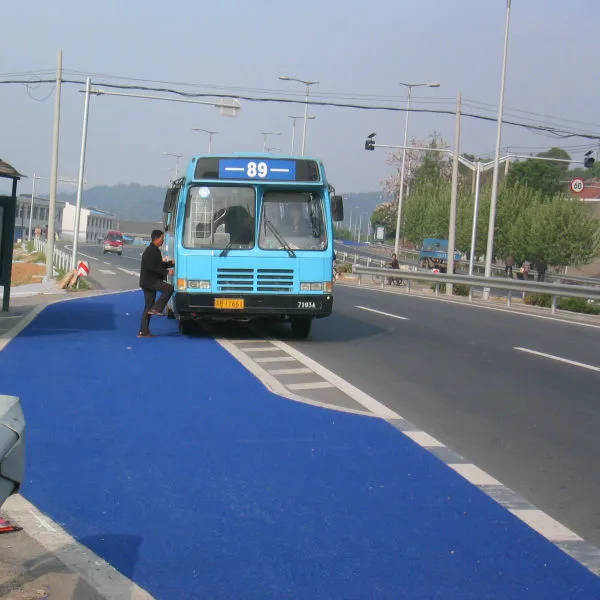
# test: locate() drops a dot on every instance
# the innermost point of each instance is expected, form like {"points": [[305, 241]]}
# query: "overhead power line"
{"points": [[545, 129]]}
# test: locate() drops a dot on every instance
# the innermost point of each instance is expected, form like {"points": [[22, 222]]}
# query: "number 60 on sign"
{"points": [[577, 185]]}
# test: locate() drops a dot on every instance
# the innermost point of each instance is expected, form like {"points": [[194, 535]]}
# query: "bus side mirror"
{"points": [[337, 208], [12, 446]]}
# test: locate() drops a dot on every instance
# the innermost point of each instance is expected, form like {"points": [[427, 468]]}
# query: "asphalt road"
{"points": [[530, 421], [111, 271]]}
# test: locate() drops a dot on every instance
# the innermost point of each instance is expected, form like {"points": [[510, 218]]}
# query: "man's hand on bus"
{"points": [[171, 272]]}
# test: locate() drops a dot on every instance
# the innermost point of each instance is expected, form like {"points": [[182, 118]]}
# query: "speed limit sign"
{"points": [[577, 185]]}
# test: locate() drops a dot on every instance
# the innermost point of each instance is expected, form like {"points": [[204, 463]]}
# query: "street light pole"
{"points": [[54, 173], [265, 134], [307, 84], [210, 134], [177, 157], [494, 199], [31, 207], [401, 193], [454, 196], [86, 110], [294, 129]]}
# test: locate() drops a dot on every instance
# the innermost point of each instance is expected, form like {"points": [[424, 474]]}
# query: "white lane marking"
{"points": [[261, 349], [106, 262], [423, 439], [380, 312], [106, 271], [314, 385], [558, 358], [273, 384], [546, 525], [274, 359], [372, 405], [471, 305], [295, 371], [102, 577], [474, 474], [128, 272]]}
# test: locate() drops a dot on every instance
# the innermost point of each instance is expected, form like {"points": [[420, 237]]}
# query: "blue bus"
{"points": [[252, 237]]}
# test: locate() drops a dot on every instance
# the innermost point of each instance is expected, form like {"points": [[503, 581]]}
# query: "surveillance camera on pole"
{"points": [[370, 142]]}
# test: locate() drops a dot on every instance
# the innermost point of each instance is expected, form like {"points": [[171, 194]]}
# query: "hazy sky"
{"points": [[355, 50]]}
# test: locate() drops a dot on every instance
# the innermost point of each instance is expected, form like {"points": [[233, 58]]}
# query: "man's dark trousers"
{"points": [[166, 290]]}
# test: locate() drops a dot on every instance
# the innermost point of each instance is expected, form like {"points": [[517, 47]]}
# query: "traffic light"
{"points": [[370, 142], [588, 161]]}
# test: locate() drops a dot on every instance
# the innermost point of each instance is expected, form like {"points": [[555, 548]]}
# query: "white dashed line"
{"points": [[297, 371], [558, 358], [474, 474], [385, 314], [314, 385], [106, 271], [274, 359], [261, 349], [127, 271]]}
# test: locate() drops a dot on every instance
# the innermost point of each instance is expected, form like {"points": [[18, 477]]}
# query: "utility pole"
{"points": [[54, 173], [454, 196]]}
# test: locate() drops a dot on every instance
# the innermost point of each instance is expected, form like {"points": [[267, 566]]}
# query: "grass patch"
{"points": [[579, 305]]}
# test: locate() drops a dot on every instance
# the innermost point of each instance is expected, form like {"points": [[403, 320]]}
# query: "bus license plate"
{"points": [[231, 303]]}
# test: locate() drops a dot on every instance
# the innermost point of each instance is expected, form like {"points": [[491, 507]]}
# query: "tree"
{"points": [[541, 175]]}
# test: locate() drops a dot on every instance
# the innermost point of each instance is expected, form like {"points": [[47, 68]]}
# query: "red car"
{"points": [[113, 242]]}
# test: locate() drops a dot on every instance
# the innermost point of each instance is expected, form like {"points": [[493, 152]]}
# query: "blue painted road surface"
{"points": [[172, 462]]}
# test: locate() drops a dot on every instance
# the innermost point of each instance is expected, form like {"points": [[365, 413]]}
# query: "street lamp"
{"points": [[265, 134], [360, 224], [294, 129], [492, 223], [177, 157], [307, 84], [210, 134], [410, 86]]}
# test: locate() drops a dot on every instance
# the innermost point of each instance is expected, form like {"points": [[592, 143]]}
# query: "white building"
{"points": [[37, 209], [93, 223]]}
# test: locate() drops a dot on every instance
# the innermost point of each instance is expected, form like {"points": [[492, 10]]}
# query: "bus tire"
{"points": [[187, 326], [301, 327]]}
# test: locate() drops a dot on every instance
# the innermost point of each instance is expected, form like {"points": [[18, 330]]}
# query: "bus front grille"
{"points": [[275, 280], [235, 280]]}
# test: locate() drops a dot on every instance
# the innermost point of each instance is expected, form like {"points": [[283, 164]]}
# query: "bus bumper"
{"points": [[190, 305]]}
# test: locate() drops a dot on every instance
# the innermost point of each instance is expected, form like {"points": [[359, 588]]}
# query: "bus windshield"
{"points": [[220, 217], [296, 218]]}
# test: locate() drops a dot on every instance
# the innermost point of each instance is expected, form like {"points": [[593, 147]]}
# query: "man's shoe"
{"points": [[155, 313], [145, 335]]}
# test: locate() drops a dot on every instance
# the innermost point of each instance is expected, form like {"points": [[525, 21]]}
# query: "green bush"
{"points": [[580, 305], [458, 289], [538, 300]]}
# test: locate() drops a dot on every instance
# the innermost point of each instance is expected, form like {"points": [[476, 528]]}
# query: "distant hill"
{"points": [[132, 202], [135, 202]]}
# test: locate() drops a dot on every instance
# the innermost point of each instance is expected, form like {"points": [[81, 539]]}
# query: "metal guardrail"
{"points": [[555, 290], [61, 259]]}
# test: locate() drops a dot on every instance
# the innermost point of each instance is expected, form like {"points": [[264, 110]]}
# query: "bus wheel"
{"points": [[301, 327], [187, 326]]}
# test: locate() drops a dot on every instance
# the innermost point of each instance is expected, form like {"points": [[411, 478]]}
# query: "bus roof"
{"points": [[256, 167]]}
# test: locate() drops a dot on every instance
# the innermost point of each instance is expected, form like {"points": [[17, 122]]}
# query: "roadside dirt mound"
{"points": [[23, 273]]}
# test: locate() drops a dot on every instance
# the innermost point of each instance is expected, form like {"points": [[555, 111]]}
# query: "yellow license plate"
{"points": [[232, 303]]}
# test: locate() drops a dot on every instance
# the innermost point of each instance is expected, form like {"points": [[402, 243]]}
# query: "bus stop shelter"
{"points": [[8, 206]]}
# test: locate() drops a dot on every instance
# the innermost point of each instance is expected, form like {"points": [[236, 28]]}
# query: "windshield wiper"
{"points": [[226, 249], [280, 239]]}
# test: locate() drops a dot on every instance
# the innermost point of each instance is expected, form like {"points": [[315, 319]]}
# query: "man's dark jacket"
{"points": [[154, 269]]}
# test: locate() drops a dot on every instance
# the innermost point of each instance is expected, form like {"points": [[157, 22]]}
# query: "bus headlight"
{"points": [[199, 284], [311, 287]]}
